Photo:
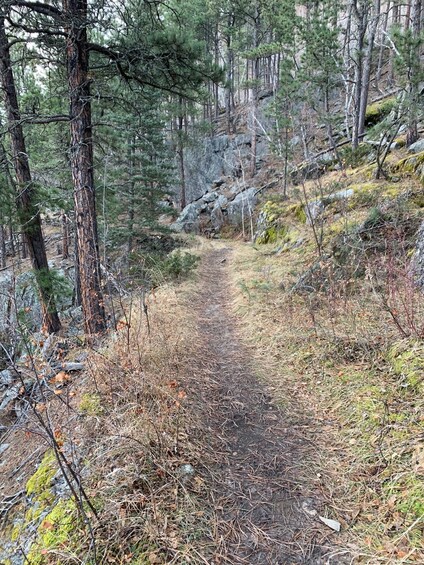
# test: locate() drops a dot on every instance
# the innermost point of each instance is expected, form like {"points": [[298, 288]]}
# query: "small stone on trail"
{"points": [[186, 470], [333, 524], [3, 447]]}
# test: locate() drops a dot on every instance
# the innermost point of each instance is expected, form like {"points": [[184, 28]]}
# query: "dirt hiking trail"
{"points": [[260, 506]]}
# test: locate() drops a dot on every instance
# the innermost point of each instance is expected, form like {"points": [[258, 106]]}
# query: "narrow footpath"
{"points": [[262, 511]]}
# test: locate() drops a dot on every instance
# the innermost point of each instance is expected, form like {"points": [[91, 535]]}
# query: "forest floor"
{"points": [[267, 513], [229, 420]]}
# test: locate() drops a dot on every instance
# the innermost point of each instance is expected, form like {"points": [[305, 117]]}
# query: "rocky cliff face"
{"points": [[216, 158], [216, 186]]}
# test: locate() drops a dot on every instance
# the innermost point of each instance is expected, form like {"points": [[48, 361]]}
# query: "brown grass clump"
{"points": [[137, 433], [126, 429]]}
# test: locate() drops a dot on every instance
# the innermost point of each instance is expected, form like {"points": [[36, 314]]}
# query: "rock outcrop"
{"points": [[19, 298], [231, 204], [216, 190]]}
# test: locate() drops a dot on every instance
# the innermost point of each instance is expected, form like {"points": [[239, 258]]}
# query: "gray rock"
{"points": [[6, 377], [340, 195], [310, 170], [416, 147], [218, 183], [188, 219], [396, 145], [9, 397], [210, 160], [20, 295], [6, 301], [327, 158], [3, 447], [295, 140], [220, 143], [69, 366], [315, 208], [217, 216], [210, 197], [242, 206], [186, 469], [186, 473]]}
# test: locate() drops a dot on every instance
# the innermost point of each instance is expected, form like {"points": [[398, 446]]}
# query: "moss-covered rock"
{"points": [[297, 211], [412, 165], [378, 110], [274, 219], [270, 226], [49, 524], [39, 485], [57, 530]]}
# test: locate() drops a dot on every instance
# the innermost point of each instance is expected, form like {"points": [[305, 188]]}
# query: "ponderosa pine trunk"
{"points": [[2, 245], [180, 153], [65, 236], [29, 214], [366, 73], [361, 21], [229, 90], [255, 92], [414, 96], [75, 13]]}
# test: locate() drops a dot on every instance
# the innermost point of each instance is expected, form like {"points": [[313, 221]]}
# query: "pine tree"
{"points": [[29, 214]]}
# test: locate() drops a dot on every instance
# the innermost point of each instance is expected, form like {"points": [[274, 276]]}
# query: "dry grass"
{"points": [[127, 428], [329, 354]]}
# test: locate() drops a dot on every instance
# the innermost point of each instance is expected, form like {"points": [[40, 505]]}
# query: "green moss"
{"points": [[342, 226], [418, 200], [400, 142], [39, 485], [369, 193], [57, 530], [408, 493], [91, 404], [16, 531], [297, 211], [274, 229], [413, 165], [378, 110], [271, 234], [407, 360]]}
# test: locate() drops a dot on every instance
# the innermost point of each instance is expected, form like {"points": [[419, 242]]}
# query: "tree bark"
{"points": [[367, 67], [361, 19], [255, 91], [75, 12], [230, 73], [381, 48], [28, 212], [180, 153], [2, 246], [412, 132], [65, 236]]}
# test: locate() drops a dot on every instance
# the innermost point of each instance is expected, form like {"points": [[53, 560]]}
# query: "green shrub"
{"points": [[355, 157], [179, 265]]}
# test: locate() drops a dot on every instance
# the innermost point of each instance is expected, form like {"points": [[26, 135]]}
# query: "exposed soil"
{"points": [[259, 499]]}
